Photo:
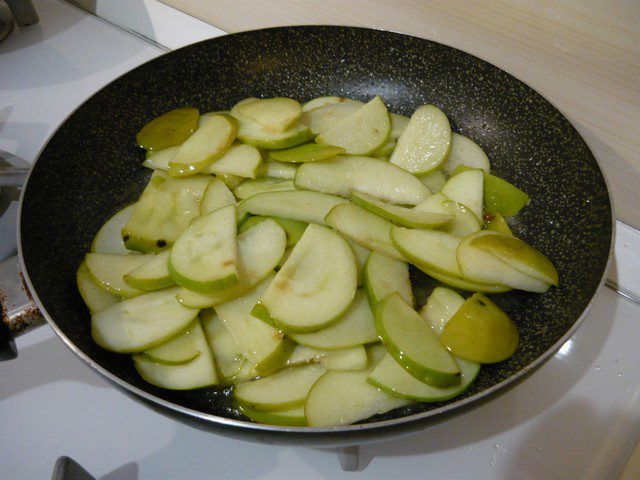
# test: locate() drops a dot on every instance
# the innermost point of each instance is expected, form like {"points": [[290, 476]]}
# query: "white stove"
{"points": [[577, 417]]}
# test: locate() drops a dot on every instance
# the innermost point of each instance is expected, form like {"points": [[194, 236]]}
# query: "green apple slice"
{"points": [[259, 251], [170, 128], [249, 188], [353, 358], [465, 283], [321, 102], [177, 350], [406, 217], [231, 181], [355, 327], [292, 228], [293, 417], [480, 332], [197, 373], [153, 227], [256, 135], [412, 343], [109, 237], [229, 357], [204, 258], [153, 275], [383, 276], [362, 132], [434, 180], [385, 150], [398, 125], [140, 323], [159, 160], [465, 151], [95, 298], [463, 223], [241, 160], [316, 285], [273, 169], [467, 188], [285, 389], [428, 248], [321, 119], [502, 197], [207, 144], [362, 254], [216, 195], [304, 206], [497, 223], [518, 254], [264, 346], [108, 271], [363, 227], [276, 114], [482, 266], [375, 177], [340, 398], [440, 307], [310, 152], [425, 143]]}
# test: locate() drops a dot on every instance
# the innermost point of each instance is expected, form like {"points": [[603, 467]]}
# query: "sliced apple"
{"points": [[293, 417], [170, 128], [230, 180], [398, 125], [480, 332], [177, 350], [321, 119], [321, 102], [140, 323], [434, 180], [463, 223], [466, 152], [276, 114], [425, 143], [257, 135], [250, 188], [467, 188], [310, 152], [441, 305], [362, 254], [273, 169], [241, 160], [159, 160], [497, 223], [153, 275], [204, 258], [378, 178], [428, 248], [109, 237], [95, 298], [465, 283], [216, 195], [385, 150], [353, 358], [292, 228], [383, 276], [502, 197], [107, 271]]}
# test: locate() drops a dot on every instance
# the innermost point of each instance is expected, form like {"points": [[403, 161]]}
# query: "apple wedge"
{"points": [[432, 249], [241, 160], [381, 179], [322, 118], [257, 135], [273, 169], [502, 197], [292, 228], [204, 258], [383, 276], [310, 152], [467, 188], [425, 143], [170, 128], [466, 152], [353, 358], [497, 223], [249, 188], [362, 254], [107, 271], [109, 237], [177, 350], [216, 195], [293, 417], [441, 305], [153, 275], [464, 222], [95, 298], [434, 180], [316, 284], [398, 125], [321, 102], [275, 114]]}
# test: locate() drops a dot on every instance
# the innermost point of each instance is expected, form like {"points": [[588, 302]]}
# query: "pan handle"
{"points": [[19, 312]]}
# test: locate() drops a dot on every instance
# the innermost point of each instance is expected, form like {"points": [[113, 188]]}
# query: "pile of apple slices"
{"points": [[271, 248]]}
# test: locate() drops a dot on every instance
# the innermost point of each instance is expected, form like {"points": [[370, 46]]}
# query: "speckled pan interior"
{"points": [[91, 167]]}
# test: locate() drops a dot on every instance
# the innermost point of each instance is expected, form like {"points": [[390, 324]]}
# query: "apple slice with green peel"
{"points": [[292, 228], [321, 119], [362, 254], [440, 307], [425, 143], [153, 227], [204, 258], [398, 125], [216, 195], [204, 117], [463, 223], [316, 285], [171, 128], [241, 160], [466, 152], [383, 276], [363, 227], [497, 223], [432, 249], [353, 358], [153, 275], [177, 350], [266, 348], [107, 271], [362, 132], [273, 169], [285, 389], [206, 144], [259, 251], [159, 160], [256, 135], [480, 332], [140, 323], [109, 237], [229, 357], [502, 197], [249, 188], [341, 398], [434, 180], [481, 266], [385, 150], [375, 177], [467, 188], [321, 102], [198, 373], [355, 327], [231, 181], [276, 114], [518, 254], [95, 298], [310, 152], [304, 206], [412, 343], [293, 417], [406, 217], [465, 283]]}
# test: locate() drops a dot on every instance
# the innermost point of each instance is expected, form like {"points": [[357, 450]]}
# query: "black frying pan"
{"points": [[91, 168]]}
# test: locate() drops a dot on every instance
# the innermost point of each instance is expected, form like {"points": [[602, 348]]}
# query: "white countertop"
{"points": [[576, 417]]}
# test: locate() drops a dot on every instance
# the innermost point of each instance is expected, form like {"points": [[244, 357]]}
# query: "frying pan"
{"points": [[91, 167]]}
